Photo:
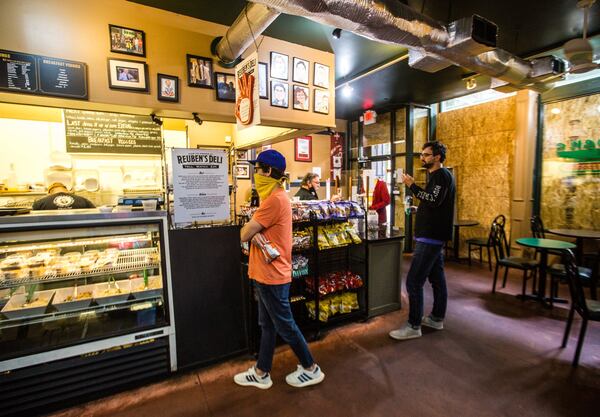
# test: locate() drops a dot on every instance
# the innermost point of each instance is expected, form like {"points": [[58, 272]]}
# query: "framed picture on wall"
{"points": [[127, 75], [225, 86], [321, 101], [279, 94], [279, 66], [242, 171], [300, 71], [200, 71], [263, 84], [303, 149], [127, 41], [241, 155], [300, 98], [321, 75], [167, 88]]}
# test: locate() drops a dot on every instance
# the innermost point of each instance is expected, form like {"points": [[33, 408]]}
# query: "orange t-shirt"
{"points": [[275, 216]]}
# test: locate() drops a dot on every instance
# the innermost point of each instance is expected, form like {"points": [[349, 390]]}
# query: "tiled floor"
{"points": [[498, 356]]}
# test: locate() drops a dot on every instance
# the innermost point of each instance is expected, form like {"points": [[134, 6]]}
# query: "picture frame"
{"points": [[199, 71], [263, 83], [303, 149], [279, 66], [241, 155], [124, 74], [167, 87], [127, 41], [226, 85], [280, 94], [300, 70], [301, 98], [242, 171], [321, 101], [321, 75]]}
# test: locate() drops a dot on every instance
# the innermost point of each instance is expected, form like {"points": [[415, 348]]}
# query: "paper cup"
{"points": [[149, 205]]}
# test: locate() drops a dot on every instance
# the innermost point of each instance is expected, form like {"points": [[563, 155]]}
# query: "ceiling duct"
{"points": [[251, 22], [468, 42]]}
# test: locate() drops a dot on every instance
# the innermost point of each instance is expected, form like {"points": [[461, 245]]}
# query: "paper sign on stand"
{"points": [[200, 187]]}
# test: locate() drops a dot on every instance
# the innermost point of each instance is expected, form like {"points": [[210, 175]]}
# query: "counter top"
{"points": [[384, 233], [56, 216]]}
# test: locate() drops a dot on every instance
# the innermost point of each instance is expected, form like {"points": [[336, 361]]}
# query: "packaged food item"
{"points": [[353, 234], [322, 239], [72, 257]]}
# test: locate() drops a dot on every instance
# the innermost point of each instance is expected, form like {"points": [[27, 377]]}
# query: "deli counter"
{"points": [[85, 306]]}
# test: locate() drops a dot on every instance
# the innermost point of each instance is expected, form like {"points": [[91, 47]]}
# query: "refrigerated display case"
{"points": [[85, 305]]}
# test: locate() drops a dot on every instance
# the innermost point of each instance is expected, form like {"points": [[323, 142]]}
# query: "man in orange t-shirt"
{"points": [[272, 225]]}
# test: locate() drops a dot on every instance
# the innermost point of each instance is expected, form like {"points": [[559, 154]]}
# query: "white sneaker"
{"points": [[303, 378], [405, 332], [429, 322], [252, 379]]}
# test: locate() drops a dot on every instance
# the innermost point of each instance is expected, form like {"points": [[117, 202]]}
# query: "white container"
{"points": [[59, 302], [154, 287], [149, 205], [105, 209], [372, 220], [13, 309], [105, 299], [124, 209]]}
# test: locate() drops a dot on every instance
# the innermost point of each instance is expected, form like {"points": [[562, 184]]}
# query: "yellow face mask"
{"points": [[265, 185]]}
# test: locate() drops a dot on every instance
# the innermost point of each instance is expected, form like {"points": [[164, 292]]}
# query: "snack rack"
{"points": [[72, 330]]}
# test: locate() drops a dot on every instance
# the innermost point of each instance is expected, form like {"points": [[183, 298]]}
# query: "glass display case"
{"points": [[72, 284]]}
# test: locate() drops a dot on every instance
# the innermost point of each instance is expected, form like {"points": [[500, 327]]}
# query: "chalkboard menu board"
{"points": [[100, 132], [26, 73]]}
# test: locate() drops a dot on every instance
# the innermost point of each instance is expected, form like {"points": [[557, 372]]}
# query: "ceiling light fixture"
{"points": [[197, 119], [347, 91], [156, 120], [555, 110], [337, 32]]}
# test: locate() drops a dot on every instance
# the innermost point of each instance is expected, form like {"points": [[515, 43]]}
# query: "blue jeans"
{"points": [[275, 317], [427, 262]]}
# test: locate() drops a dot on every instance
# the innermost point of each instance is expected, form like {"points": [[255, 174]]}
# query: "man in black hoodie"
{"points": [[434, 222]]}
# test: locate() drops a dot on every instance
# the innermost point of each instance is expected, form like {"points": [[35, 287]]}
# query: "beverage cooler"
{"points": [[85, 307]]}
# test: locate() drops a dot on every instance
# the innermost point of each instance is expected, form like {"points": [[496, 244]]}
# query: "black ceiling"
{"points": [[524, 29]]}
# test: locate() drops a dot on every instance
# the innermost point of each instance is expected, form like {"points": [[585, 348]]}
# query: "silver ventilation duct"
{"points": [[253, 20], [468, 42]]}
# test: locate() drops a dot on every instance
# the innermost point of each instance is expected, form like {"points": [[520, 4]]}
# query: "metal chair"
{"points": [[587, 309], [503, 258], [481, 242]]}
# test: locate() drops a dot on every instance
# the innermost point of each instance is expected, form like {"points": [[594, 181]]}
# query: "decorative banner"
{"points": [[336, 157], [200, 188], [247, 108]]}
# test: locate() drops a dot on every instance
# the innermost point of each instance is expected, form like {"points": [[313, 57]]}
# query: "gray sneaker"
{"points": [[405, 332], [434, 324]]}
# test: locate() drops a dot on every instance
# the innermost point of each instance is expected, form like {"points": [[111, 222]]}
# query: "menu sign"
{"points": [[26, 73], [100, 132], [200, 187], [18, 72]]}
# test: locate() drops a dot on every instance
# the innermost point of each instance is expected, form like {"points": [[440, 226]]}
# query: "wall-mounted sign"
{"points": [[100, 132], [200, 188], [247, 108], [369, 117], [27, 73]]}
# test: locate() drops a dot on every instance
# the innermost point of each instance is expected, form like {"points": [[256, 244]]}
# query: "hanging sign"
{"points": [[247, 108], [336, 161], [200, 187], [369, 117]]}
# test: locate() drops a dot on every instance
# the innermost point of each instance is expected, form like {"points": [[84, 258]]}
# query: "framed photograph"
{"points": [[200, 71], [279, 66], [127, 75], [225, 86], [167, 88], [321, 101], [241, 155], [300, 98], [303, 149], [300, 71], [263, 85], [127, 41], [321, 75], [279, 94], [242, 171]]}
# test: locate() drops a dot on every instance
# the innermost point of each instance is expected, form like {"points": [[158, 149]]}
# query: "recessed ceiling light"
{"points": [[555, 110]]}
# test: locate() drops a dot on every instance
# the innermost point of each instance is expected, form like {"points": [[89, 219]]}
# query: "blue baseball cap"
{"points": [[271, 158]]}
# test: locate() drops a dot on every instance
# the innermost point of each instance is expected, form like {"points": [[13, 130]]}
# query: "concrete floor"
{"points": [[498, 356]]}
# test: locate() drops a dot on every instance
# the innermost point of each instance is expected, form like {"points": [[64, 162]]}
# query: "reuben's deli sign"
{"points": [[200, 188]]}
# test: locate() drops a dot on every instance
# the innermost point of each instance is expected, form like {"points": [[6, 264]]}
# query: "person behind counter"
{"points": [[308, 187], [59, 198]]}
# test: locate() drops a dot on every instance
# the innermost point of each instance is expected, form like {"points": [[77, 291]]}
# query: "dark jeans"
{"points": [[275, 317], [427, 262]]}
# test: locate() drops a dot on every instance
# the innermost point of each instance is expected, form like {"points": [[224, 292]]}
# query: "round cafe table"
{"points": [[579, 235], [457, 225], [543, 245]]}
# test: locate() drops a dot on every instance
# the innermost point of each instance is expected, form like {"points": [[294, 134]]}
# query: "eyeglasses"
{"points": [[425, 154]]}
